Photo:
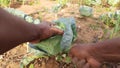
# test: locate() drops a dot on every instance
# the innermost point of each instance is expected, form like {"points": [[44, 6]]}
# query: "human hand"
{"points": [[46, 30], [83, 56], [96, 54]]}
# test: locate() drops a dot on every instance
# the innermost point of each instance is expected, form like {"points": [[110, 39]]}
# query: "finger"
{"points": [[106, 65], [56, 31], [75, 61], [35, 41], [70, 54], [94, 63], [118, 66], [87, 65], [73, 51], [81, 64]]}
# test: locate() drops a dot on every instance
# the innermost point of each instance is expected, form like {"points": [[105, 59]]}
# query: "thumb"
{"points": [[56, 31], [94, 63]]}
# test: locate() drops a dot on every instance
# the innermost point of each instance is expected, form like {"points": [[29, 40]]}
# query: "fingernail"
{"points": [[57, 31]]}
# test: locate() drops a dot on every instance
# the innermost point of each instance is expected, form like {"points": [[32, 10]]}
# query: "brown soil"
{"points": [[89, 30]]}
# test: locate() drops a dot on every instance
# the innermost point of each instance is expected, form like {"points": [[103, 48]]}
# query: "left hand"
{"points": [[83, 56], [81, 63]]}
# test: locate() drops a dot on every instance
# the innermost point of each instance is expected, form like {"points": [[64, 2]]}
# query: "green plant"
{"points": [[94, 27], [33, 2], [118, 5], [56, 8], [112, 2], [22, 15], [108, 19], [62, 2], [5, 3], [112, 21], [57, 46], [23, 2], [86, 11], [90, 2], [116, 29], [99, 2]]}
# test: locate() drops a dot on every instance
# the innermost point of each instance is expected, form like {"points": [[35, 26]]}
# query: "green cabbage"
{"points": [[22, 15], [59, 44], [86, 11], [113, 2]]}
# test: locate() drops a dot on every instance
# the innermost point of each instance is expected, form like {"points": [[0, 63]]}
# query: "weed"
{"points": [[112, 22], [94, 27], [62, 2], [118, 5], [5, 3]]}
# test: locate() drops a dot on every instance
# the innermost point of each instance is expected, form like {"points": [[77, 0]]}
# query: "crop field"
{"points": [[95, 20]]}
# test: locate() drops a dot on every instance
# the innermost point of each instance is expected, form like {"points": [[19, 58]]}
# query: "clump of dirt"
{"points": [[51, 63], [12, 58]]}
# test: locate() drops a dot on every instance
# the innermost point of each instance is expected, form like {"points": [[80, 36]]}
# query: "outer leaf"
{"points": [[31, 66], [26, 60], [51, 45], [69, 32]]}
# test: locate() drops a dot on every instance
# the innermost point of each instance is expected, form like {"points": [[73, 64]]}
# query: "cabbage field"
{"points": [[83, 21]]}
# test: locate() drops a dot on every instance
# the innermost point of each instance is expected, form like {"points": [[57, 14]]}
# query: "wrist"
{"points": [[106, 52], [35, 35]]}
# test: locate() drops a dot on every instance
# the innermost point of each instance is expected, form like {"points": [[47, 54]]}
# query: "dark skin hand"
{"points": [[95, 54], [14, 31]]}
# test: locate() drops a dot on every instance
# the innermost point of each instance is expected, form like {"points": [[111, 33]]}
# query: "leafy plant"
{"points": [[91, 2], [112, 21], [22, 2], [113, 2], [118, 5], [99, 2], [116, 29], [56, 8], [5, 3], [62, 2], [57, 45], [86, 11], [22, 15]]}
